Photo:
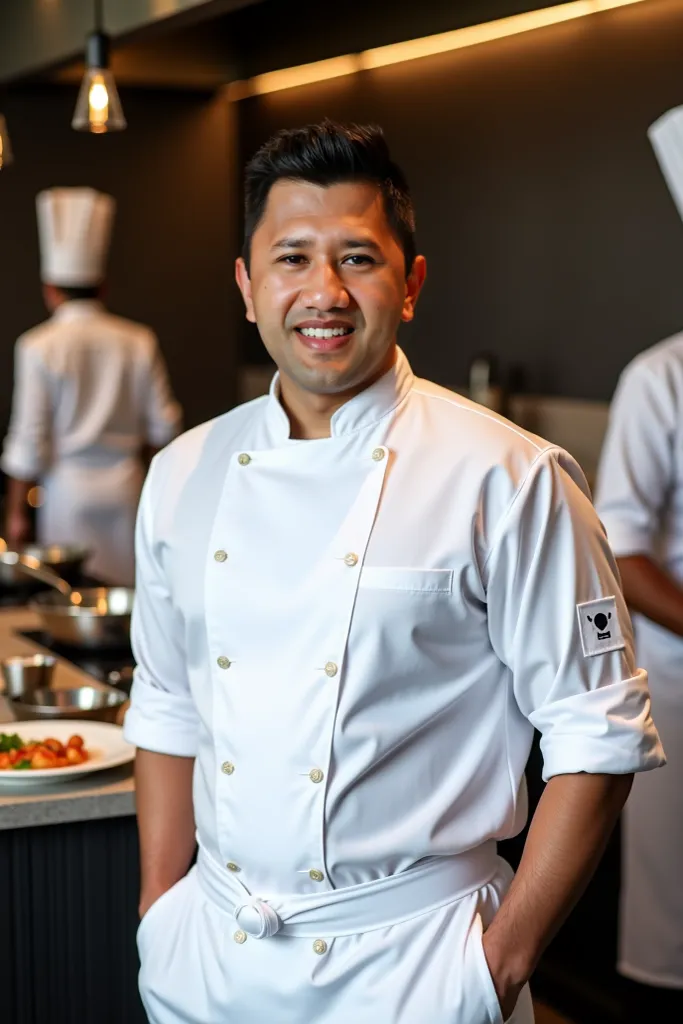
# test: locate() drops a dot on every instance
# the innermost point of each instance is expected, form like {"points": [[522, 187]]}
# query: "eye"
{"points": [[359, 260], [292, 259]]}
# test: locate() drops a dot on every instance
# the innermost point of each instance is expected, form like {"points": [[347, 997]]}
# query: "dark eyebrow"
{"points": [[347, 243], [361, 243], [292, 243]]}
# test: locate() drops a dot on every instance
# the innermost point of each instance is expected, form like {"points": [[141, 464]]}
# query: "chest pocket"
{"points": [[416, 581]]}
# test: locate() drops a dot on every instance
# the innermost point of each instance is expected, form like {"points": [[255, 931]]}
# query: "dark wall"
{"points": [[171, 262], [550, 234]]}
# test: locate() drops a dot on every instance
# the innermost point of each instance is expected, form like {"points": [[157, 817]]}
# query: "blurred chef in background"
{"points": [[91, 398], [640, 501]]}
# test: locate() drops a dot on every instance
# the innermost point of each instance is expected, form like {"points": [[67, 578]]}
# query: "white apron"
{"points": [[410, 955], [94, 505], [651, 926]]}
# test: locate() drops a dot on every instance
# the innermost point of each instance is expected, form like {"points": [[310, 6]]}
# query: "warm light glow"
{"points": [[428, 46], [5, 147], [35, 497], [98, 108], [99, 97], [98, 105], [289, 78]]}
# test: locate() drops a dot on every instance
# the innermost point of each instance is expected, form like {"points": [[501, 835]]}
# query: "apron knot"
{"points": [[258, 919]]}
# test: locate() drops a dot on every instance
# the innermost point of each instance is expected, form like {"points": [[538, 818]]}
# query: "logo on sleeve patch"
{"points": [[599, 627]]}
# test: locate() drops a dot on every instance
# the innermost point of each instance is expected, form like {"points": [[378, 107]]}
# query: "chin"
{"points": [[328, 383], [326, 376]]}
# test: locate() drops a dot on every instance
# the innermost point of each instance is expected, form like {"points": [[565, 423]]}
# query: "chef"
{"points": [[357, 597], [91, 391], [640, 501]]}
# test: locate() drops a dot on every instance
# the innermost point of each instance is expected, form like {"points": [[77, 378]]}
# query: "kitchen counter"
{"points": [[108, 794]]}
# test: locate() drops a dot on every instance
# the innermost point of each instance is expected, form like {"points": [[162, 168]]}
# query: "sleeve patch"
{"points": [[599, 627]]}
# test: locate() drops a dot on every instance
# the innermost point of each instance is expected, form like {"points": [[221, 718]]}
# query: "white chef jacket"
{"points": [[640, 501], [356, 636], [90, 390]]}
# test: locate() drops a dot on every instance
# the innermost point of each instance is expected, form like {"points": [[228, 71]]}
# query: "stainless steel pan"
{"points": [[11, 574], [64, 561], [27, 567], [95, 617]]}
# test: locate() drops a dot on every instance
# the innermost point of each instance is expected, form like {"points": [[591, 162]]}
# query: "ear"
{"points": [[589, 618], [244, 285], [414, 283]]}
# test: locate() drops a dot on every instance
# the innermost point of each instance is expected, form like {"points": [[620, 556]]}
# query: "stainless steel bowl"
{"points": [[79, 702], [24, 676], [95, 617]]}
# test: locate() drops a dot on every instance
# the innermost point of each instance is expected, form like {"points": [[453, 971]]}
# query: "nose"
{"points": [[324, 289]]}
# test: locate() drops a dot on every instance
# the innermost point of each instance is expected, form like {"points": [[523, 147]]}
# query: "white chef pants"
{"points": [[94, 506], [430, 969], [651, 918]]}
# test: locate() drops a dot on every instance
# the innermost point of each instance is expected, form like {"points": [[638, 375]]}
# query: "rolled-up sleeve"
{"points": [[549, 557], [637, 461], [162, 716], [27, 445]]}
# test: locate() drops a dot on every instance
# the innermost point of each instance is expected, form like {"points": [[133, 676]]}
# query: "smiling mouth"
{"points": [[324, 333]]}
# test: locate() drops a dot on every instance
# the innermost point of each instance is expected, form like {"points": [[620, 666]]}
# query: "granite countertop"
{"points": [[107, 794]]}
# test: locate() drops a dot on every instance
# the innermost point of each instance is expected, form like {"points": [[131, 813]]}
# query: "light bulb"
{"points": [[98, 108], [98, 105]]}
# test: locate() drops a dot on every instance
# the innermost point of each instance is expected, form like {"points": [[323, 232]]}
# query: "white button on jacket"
{"points": [[453, 636]]}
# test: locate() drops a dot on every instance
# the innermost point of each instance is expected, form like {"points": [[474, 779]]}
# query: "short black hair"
{"points": [[328, 154], [83, 292]]}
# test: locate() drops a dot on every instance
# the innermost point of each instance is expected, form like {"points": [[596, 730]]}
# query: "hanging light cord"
{"points": [[99, 15]]}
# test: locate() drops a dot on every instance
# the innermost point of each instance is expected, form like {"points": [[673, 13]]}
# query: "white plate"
{"points": [[104, 743]]}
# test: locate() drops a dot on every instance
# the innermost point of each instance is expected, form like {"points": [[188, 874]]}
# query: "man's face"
{"points": [[327, 285]]}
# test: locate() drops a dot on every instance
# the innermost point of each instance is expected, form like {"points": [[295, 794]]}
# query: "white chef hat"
{"points": [[74, 229], [666, 136]]}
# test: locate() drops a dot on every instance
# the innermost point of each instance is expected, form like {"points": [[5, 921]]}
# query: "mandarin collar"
{"points": [[360, 412]]}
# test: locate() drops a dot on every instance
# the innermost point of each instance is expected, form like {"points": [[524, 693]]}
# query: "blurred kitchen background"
{"points": [[555, 250], [552, 239]]}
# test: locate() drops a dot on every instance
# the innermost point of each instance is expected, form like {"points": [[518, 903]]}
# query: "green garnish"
{"points": [[10, 742], [21, 765]]}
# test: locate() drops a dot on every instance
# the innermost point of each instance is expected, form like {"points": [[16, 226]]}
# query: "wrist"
{"points": [[150, 894], [510, 966], [153, 888]]}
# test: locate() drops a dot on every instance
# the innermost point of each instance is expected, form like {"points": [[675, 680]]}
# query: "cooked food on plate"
{"points": [[18, 755]]}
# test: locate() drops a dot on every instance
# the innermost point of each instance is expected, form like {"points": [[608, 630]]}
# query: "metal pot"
{"points": [[95, 617]]}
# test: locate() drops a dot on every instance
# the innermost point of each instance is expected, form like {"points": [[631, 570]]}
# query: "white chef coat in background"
{"points": [[640, 501], [355, 637], [91, 389]]}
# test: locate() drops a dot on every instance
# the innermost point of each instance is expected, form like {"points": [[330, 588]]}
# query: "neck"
{"points": [[310, 415]]}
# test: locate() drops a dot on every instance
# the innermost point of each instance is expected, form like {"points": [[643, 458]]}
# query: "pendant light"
{"points": [[5, 147], [98, 108]]}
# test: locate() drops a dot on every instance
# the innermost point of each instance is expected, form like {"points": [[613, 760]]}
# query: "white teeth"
{"points": [[324, 332]]}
